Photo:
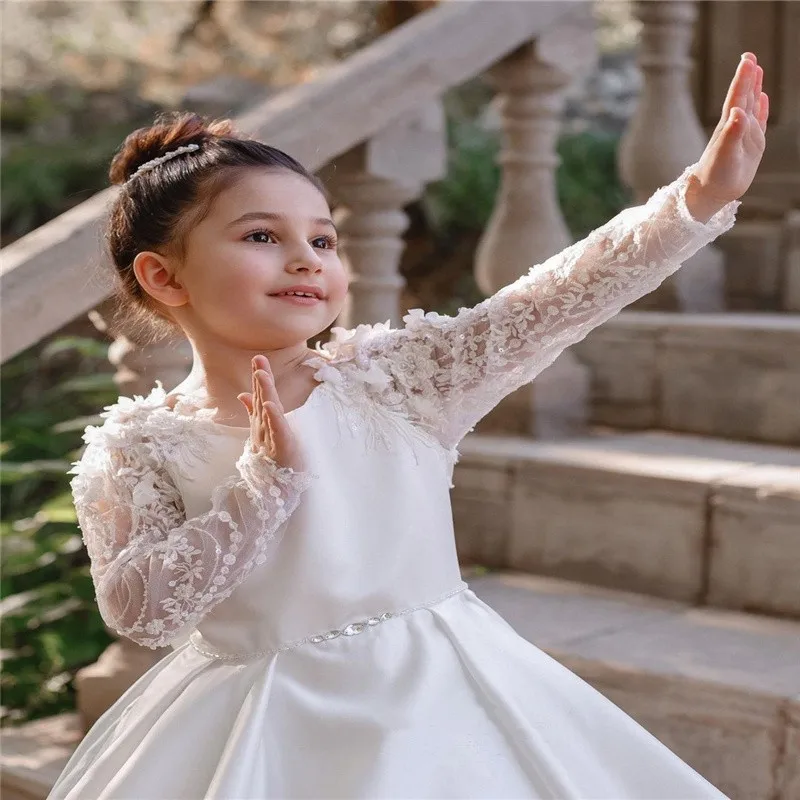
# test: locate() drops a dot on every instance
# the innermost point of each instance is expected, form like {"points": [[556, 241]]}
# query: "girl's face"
{"points": [[270, 231]]}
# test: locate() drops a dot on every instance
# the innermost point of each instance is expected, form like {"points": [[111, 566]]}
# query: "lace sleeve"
{"points": [[454, 370], [154, 571]]}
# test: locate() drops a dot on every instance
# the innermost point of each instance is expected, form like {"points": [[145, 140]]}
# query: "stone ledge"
{"points": [[636, 512], [755, 529], [33, 755], [713, 685], [729, 375], [789, 766]]}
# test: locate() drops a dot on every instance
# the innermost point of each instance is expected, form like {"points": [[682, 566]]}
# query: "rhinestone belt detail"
{"points": [[352, 629]]}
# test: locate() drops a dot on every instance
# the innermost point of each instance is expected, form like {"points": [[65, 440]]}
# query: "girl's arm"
{"points": [[463, 366], [454, 370], [154, 571]]}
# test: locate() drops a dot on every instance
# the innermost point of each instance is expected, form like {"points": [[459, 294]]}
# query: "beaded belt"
{"points": [[352, 629]]}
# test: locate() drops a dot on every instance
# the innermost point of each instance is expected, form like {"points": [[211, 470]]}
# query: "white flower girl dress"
{"points": [[325, 645]]}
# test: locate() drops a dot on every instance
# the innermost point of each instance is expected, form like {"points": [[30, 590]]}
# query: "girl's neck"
{"points": [[217, 378]]}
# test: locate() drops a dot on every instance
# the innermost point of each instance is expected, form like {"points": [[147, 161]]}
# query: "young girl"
{"points": [[288, 509]]}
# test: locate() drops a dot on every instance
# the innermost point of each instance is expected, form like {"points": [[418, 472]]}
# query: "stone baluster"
{"points": [[527, 226], [791, 261], [371, 185], [100, 685], [664, 137], [757, 273]]}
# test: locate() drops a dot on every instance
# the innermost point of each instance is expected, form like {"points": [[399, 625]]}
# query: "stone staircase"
{"points": [[730, 375], [658, 555]]}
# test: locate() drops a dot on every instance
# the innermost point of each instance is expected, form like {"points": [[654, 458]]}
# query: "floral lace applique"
{"points": [[156, 572], [366, 403]]}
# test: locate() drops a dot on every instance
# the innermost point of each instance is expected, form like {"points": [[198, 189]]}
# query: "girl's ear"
{"points": [[156, 275]]}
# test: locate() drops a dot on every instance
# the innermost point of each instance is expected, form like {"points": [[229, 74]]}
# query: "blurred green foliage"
{"points": [[41, 180], [57, 146], [50, 624]]}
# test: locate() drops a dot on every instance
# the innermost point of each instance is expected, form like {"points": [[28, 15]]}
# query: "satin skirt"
{"points": [[444, 702]]}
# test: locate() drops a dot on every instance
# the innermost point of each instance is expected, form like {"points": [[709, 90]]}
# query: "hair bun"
{"points": [[169, 131]]}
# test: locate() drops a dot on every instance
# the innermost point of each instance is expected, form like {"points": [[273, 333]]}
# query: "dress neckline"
{"points": [[242, 430], [184, 401]]}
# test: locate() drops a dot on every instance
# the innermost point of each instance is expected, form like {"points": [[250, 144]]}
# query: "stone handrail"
{"points": [[53, 275]]}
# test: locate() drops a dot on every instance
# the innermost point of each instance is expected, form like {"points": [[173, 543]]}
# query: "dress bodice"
{"points": [[373, 534]]}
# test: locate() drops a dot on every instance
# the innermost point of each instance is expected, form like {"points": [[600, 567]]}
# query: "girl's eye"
{"points": [[324, 242], [267, 237]]}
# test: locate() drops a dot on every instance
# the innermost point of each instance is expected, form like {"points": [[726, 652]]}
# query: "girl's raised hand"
{"points": [[268, 426], [729, 163]]}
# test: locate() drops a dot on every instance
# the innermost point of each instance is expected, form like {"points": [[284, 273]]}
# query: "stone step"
{"points": [[719, 688], [699, 520], [734, 376], [33, 755]]}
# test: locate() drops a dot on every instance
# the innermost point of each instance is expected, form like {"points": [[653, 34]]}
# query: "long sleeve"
{"points": [[156, 572], [451, 371]]}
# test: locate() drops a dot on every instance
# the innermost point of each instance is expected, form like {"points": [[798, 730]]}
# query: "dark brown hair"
{"points": [[157, 208]]}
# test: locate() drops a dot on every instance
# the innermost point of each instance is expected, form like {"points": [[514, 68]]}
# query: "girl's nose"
{"points": [[305, 265], [304, 260]]}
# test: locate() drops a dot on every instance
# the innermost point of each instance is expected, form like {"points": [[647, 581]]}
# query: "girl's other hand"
{"points": [[729, 163], [268, 426]]}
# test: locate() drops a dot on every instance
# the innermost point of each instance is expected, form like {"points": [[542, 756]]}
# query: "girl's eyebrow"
{"points": [[252, 216]]}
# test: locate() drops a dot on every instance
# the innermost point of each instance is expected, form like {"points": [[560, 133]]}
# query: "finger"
{"points": [[758, 85], [735, 96], [256, 401], [270, 414], [762, 113], [254, 430], [752, 97], [263, 431], [750, 74], [738, 89], [269, 385], [246, 400], [271, 392], [283, 439]]}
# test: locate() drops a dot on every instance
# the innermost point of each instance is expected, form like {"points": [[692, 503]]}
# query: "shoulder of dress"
{"points": [[345, 343], [149, 418]]}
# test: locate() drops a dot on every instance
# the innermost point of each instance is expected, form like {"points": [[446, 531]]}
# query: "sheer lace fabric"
{"points": [[155, 572]]}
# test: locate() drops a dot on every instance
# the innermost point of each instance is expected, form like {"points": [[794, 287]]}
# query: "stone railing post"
{"points": [[664, 137], [755, 247], [371, 185], [527, 226], [123, 662], [791, 261]]}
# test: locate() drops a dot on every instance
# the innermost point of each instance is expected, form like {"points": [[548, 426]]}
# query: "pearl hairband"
{"points": [[153, 163]]}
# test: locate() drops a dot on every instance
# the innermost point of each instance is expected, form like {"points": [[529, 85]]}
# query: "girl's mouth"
{"points": [[298, 300]]}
